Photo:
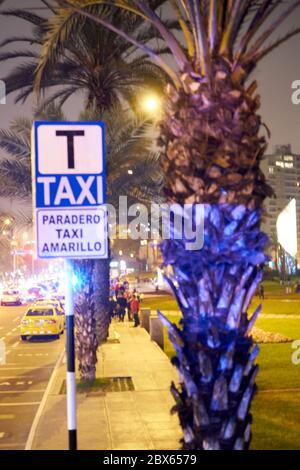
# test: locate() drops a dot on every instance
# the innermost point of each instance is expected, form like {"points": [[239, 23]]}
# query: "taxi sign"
{"points": [[69, 189]]}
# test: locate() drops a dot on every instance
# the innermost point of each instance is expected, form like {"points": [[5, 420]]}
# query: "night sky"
{"points": [[275, 75]]}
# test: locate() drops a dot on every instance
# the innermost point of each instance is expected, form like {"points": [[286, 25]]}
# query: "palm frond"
{"points": [[169, 38], [15, 39], [270, 30], [264, 52], [13, 144], [54, 40], [208, 27], [213, 35], [17, 54], [24, 15]]}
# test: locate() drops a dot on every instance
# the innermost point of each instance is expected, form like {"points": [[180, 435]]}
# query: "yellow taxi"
{"points": [[55, 302], [42, 320]]}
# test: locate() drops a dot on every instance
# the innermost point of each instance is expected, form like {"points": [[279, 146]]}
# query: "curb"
{"points": [[41, 407]]}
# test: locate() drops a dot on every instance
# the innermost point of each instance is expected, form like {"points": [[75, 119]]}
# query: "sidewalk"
{"points": [[127, 420]]}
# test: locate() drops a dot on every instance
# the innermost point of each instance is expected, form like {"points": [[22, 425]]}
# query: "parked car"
{"points": [[35, 293], [11, 297], [51, 301], [42, 320]]}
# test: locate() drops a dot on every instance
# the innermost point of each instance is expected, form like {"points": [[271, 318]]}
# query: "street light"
{"points": [[151, 104]]}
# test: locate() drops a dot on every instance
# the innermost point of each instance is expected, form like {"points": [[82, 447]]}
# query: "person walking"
{"points": [[129, 299], [261, 292], [289, 286], [117, 287], [112, 306], [135, 307], [122, 304]]}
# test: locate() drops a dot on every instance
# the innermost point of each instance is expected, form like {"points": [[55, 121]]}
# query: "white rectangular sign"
{"points": [[69, 149], [68, 161], [72, 233]]}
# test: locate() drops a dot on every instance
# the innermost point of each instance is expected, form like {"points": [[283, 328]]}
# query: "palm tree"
{"points": [[128, 148], [211, 135], [94, 61]]}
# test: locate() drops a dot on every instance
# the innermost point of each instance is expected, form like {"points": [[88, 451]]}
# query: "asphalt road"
{"points": [[23, 378]]}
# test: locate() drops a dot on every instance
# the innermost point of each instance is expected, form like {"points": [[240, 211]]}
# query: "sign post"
{"points": [[71, 375], [69, 213]]}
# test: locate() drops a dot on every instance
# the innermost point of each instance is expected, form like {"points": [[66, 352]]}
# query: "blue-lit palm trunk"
{"points": [[214, 143], [215, 355]]}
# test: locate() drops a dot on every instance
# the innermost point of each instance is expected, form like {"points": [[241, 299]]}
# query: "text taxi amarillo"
{"points": [[69, 189], [71, 239]]}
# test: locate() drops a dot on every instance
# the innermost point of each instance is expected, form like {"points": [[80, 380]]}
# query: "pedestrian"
{"points": [[261, 292], [122, 304], [129, 299], [135, 307], [289, 286], [112, 306], [117, 287]]}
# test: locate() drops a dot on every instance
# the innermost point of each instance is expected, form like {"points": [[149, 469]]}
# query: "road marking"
{"points": [[21, 391], [15, 344], [7, 368], [42, 405], [26, 382], [9, 333], [31, 354], [14, 329], [12, 377], [6, 445], [25, 403], [23, 382], [5, 417], [2, 434], [20, 368]]}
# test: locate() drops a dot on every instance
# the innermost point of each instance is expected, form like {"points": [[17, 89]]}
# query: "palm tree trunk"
{"points": [[214, 350], [85, 322], [101, 298]]}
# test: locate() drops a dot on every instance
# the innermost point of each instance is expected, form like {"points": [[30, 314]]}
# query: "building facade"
{"points": [[282, 170]]}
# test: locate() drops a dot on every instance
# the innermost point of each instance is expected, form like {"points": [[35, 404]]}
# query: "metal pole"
{"points": [[71, 379]]}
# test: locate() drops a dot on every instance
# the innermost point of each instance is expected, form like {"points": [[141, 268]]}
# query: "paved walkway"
{"points": [[261, 315], [133, 420]]}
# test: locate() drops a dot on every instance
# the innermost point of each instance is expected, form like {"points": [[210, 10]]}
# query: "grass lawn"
{"points": [[276, 421], [276, 408]]}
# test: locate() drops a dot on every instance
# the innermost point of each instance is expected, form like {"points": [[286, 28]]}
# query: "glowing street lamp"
{"points": [[151, 104]]}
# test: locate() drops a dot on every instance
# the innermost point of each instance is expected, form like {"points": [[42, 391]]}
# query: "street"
{"points": [[23, 378]]}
